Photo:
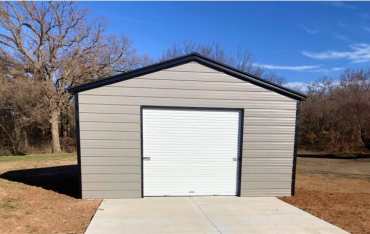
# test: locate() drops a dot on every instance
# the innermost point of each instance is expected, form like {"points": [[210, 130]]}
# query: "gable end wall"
{"points": [[110, 139]]}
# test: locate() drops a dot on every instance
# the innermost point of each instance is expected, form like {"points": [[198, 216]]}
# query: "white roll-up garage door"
{"points": [[190, 152]]}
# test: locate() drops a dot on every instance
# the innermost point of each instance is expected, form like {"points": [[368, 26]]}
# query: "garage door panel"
{"points": [[192, 152], [189, 172]]}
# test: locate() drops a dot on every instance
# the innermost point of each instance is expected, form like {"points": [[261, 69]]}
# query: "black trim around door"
{"points": [[142, 151], [240, 137], [240, 151]]}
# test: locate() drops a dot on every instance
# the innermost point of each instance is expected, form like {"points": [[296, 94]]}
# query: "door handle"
{"points": [[147, 158]]}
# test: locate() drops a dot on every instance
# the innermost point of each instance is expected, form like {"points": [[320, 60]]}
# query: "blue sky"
{"points": [[298, 41]]}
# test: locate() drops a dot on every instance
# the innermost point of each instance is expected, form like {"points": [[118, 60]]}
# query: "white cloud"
{"points": [[364, 15], [289, 68], [342, 24], [301, 68], [367, 29], [358, 53], [337, 68], [345, 5], [329, 70], [342, 37], [297, 85], [309, 30], [303, 86]]}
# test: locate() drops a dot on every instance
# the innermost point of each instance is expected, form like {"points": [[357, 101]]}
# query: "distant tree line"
{"points": [[336, 115], [46, 47]]}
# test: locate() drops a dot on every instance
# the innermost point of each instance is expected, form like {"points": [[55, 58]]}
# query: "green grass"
{"points": [[38, 157]]}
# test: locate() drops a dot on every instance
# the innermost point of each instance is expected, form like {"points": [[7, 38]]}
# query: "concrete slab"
{"points": [[207, 215]]}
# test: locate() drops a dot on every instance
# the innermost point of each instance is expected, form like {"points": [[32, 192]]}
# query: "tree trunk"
{"points": [[54, 126], [25, 141], [365, 137]]}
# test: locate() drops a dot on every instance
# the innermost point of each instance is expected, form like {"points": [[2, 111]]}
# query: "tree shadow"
{"points": [[61, 179]]}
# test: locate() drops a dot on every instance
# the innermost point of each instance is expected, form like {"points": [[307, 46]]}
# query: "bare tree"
{"points": [[53, 44], [336, 114], [353, 95], [19, 110], [241, 60]]}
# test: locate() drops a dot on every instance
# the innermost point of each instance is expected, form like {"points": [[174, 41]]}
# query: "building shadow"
{"points": [[61, 179]]}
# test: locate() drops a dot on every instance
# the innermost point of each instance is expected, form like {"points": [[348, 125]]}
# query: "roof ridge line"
{"points": [[221, 67]]}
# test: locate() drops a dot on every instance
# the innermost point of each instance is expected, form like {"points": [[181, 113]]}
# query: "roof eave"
{"points": [[185, 59]]}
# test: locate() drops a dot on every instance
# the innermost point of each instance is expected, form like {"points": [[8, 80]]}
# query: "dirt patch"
{"points": [[38, 195], [26, 208], [342, 199]]}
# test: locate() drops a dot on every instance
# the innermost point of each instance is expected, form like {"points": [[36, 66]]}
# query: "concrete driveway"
{"points": [[162, 215]]}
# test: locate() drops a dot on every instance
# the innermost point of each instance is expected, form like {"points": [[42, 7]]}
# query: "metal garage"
{"points": [[189, 126]]}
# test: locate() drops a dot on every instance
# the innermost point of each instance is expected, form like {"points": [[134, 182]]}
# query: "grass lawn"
{"points": [[38, 193], [40, 157]]}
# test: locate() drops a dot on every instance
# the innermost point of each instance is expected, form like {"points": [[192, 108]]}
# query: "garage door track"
{"points": [[208, 215]]}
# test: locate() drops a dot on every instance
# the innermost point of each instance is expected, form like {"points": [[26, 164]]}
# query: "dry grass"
{"points": [[43, 200], [337, 191], [38, 194]]}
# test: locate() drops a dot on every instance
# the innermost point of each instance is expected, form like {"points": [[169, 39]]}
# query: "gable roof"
{"points": [[193, 57]]}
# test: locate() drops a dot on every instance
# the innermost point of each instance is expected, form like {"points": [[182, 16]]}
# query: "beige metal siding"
{"points": [[110, 128]]}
